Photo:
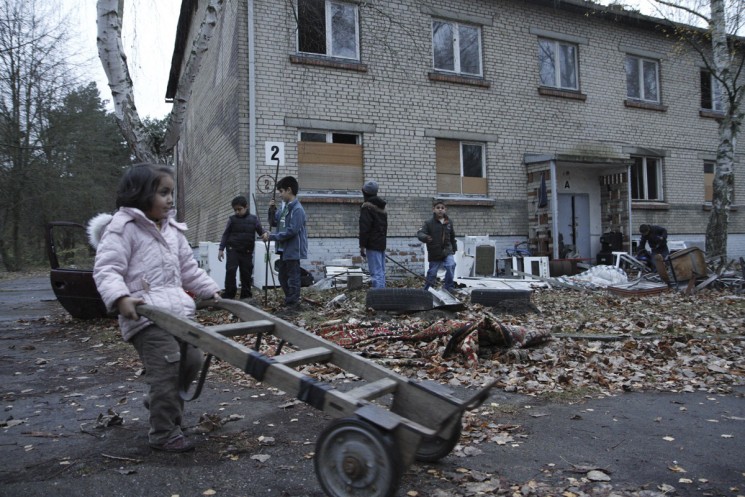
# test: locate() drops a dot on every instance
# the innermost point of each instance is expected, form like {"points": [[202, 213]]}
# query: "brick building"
{"points": [[480, 102]]}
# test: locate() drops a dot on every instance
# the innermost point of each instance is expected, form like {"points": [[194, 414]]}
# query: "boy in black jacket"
{"points": [[373, 233], [439, 235], [239, 239]]}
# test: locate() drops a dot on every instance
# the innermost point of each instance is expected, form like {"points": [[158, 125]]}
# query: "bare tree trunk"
{"points": [[717, 229], [114, 61]]}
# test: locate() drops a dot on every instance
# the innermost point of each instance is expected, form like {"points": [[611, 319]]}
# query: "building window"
{"points": [[709, 167], [646, 179], [330, 160], [642, 79], [558, 64], [711, 92], [460, 167], [456, 47], [328, 28]]}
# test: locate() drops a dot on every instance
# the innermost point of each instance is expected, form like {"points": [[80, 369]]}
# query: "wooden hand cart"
{"points": [[365, 450]]}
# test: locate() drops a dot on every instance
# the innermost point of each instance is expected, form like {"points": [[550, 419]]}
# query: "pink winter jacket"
{"points": [[134, 258]]}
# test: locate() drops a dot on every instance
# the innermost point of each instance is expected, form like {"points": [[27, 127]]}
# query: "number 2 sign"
{"points": [[275, 153]]}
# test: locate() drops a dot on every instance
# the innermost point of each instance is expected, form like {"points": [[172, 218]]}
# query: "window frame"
{"points": [[329, 33], [347, 159], [641, 79], [716, 101], [455, 44], [556, 44], [440, 142], [645, 180]]}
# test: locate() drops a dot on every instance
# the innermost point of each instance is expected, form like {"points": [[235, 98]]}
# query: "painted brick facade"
{"points": [[403, 106]]}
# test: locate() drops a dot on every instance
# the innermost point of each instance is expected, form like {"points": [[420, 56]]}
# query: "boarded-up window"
{"points": [[460, 167], [708, 181], [335, 164]]}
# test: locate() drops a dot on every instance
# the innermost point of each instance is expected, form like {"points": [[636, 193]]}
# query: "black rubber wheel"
{"points": [[432, 449], [493, 296], [399, 299], [355, 459]]}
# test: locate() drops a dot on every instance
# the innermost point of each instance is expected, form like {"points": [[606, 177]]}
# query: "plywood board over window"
{"points": [[329, 166]]}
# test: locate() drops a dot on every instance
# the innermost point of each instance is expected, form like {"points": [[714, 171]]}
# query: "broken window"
{"points": [[328, 28], [460, 167], [642, 79], [456, 47], [646, 179], [557, 62], [330, 160]]}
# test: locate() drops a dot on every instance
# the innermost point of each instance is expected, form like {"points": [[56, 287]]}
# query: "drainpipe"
{"points": [[251, 106], [554, 210]]}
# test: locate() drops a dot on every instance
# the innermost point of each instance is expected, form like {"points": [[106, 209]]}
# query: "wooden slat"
{"points": [[340, 154], [373, 390], [292, 359], [447, 154], [323, 177], [243, 328]]}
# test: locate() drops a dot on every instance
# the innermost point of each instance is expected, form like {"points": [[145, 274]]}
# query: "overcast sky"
{"points": [[149, 33]]}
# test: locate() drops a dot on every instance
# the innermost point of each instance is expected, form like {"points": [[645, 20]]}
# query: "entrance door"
{"points": [[574, 222]]}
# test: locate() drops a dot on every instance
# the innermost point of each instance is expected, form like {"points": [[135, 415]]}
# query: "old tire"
{"points": [[493, 297], [399, 299], [355, 459]]}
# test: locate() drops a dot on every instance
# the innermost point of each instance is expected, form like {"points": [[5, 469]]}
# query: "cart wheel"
{"points": [[432, 449], [354, 459]]}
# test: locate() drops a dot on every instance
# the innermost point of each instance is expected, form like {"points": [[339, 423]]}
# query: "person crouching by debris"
{"points": [[373, 233], [291, 240], [143, 257], [239, 239], [439, 235], [656, 236]]}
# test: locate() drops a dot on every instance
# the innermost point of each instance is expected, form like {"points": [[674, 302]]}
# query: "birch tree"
{"points": [[722, 52]]}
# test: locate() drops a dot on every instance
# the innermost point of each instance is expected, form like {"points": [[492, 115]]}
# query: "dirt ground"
{"points": [[73, 423]]}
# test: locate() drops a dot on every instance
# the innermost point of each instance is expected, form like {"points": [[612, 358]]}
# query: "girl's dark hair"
{"points": [[138, 185]]}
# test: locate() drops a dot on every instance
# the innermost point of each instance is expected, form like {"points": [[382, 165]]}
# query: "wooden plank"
{"points": [[447, 157], [373, 390], [474, 186], [243, 328], [330, 176], [448, 183], [306, 356], [340, 154]]}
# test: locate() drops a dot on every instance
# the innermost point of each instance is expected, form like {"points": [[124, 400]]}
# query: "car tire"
{"points": [[399, 299]]}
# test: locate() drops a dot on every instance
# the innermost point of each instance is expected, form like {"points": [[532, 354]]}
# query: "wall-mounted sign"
{"points": [[274, 153]]}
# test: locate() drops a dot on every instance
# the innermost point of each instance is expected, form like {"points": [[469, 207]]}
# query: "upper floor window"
{"points": [[456, 47], [642, 79], [711, 92], [646, 179], [328, 28], [558, 64], [460, 167], [330, 160]]}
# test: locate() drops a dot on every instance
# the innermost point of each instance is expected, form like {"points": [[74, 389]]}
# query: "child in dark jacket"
{"points": [[373, 233], [439, 235], [239, 240]]}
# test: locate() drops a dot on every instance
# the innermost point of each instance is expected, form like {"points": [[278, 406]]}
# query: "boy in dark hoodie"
{"points": [[439, 235], [373, 233]]}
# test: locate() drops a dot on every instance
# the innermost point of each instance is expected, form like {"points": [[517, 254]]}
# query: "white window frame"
{"points": [[557, 68], [645, 180], [329, 31], [457, 69], [639, 61], [329, 135]]}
